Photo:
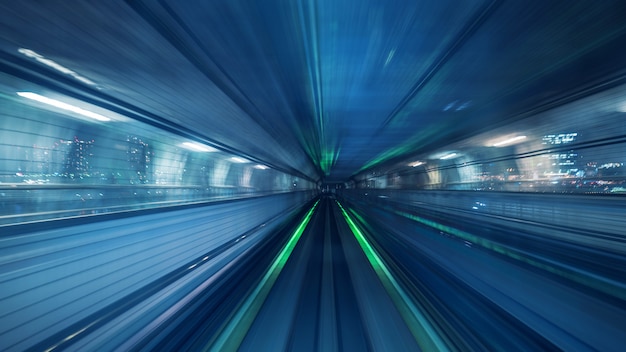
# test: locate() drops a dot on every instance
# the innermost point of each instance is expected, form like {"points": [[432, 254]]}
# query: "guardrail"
{"points": [[31, 202]]}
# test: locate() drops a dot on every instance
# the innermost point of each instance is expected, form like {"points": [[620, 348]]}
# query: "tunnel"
{"points": [[312, 175]]}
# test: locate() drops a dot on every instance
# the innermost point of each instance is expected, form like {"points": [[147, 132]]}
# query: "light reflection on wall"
{"points": [[54, 166], [576, 148]]}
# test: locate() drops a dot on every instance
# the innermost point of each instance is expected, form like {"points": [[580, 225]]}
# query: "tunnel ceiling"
{"points": [[325, 89]]}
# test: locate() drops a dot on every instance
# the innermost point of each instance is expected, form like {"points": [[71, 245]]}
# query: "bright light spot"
{"points": [[416, 163], [238, 159], [84, 80], [457, 105], [198, 147], [62, 105], [509, 141], [75, 334], [29, 53], [448, 156], [390, 56], [260, 167], [54, 65], [450, 105], [463, 106]]}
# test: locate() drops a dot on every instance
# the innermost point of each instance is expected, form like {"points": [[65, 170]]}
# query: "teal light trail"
{"points": [[421, 329], [235, 331], [594, 281]]}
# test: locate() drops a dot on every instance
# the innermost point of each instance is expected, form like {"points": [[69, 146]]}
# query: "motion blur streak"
{"points": [[530, 283], [233, 334], [420, 327], [604, 284], [312, 175]]}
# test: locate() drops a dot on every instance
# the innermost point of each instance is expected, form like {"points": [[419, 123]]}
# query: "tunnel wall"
{"points": [[593, 221], [51, 280], [55, 164], [578, 147]]}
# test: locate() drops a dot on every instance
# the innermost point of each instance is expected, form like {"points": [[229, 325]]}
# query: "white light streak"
{"points": [[509, 141], [389, 57], [197, 147], [54, 65], [448, 156], [238, 159], [62, 105]]}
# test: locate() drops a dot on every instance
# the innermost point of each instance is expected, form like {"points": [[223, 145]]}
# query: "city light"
{"points": [[62, 105], [198, 147]]}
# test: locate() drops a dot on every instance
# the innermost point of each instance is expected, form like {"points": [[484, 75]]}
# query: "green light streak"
{"points": [[418, 324], [416, 142], [233, 334], [587, 279], [329, 157], [408, 147]]}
